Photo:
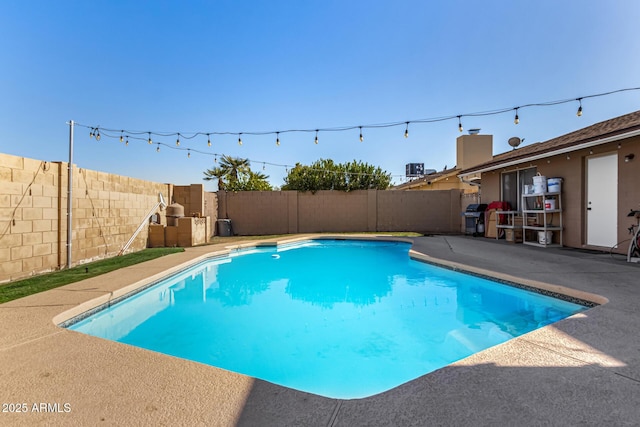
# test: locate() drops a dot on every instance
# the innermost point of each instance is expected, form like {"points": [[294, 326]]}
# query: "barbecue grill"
{"points": [[474, 219]]}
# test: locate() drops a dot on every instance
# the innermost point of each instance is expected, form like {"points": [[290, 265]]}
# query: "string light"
{"points": [[178, 140], [158, 149], [97, 132], [579, 113], [127, 141], [188, 153], [94, 130]]}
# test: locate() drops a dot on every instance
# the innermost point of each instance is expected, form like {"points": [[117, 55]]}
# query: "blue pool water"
{"points": [[343, 319]]}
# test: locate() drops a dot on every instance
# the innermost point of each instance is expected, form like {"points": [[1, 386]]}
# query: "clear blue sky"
{"points": [[251, 66]]}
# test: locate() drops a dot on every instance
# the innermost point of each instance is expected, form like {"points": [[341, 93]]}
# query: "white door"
{"points": [[602, 200]]}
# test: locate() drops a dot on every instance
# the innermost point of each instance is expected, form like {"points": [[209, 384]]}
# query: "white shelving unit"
{"points": [[545, 220], [514, 221]]}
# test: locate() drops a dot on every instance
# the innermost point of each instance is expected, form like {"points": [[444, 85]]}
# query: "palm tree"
{"points": [[216, 173], [234, 167], [232, 173]]}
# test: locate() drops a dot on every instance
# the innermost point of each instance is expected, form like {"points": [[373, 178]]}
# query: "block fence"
{"points": [[108, 208], [285, 212], [106, 211]]}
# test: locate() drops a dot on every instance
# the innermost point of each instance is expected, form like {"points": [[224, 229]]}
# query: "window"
{"points": [[512, 186]]}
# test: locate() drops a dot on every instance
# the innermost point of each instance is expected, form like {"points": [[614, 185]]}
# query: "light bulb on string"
{"points": [[316, 140], [98, 136], [361, 137], [178, 141], [91, 133], [158, 149], [121, 137], [239, 139], [188, 153], [406, 131], [150, 141], [208, 140], [278, 139], [516, 119], [460, 124], [126, 142], [263, 166], [579, 112]]}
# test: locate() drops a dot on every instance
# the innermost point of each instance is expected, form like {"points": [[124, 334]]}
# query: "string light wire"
{"points": [[191, 135], [97, 131]]}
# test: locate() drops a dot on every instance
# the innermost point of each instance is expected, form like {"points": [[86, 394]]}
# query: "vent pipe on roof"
{"points": [[474, 131]]}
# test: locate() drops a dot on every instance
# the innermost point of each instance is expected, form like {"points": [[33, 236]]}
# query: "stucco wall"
{"points": [[282, 212], [571, 168]]}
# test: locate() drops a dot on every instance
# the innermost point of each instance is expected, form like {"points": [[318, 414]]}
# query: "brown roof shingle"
{"points": [[616, 126]]}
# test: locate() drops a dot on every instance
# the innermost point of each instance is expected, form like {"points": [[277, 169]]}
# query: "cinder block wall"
{"points": [[106, 211], [421, 211], [282, 212], [256, 212]]}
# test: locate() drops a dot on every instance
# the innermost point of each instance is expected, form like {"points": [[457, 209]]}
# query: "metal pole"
{"points": [[70, 194]]}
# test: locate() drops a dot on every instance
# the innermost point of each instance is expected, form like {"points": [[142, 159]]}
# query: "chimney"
{"points": [[473, 149]]}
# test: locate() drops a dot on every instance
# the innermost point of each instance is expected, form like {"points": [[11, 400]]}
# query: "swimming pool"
{"points": [[343, 319]]}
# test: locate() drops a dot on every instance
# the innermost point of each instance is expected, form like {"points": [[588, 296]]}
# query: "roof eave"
{"points": [[551, 153]]}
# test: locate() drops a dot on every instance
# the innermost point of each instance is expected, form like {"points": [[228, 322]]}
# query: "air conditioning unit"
{"points": [[414, 170]]}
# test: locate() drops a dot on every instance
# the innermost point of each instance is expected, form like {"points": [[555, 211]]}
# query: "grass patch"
{"points": [[44, 282]]}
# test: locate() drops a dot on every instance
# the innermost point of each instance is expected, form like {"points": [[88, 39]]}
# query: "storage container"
{"points": [[545, 238], [554, 185], [539, 184]]}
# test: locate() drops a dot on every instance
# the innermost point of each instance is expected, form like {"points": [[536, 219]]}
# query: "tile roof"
{"points": [[608, 128]]}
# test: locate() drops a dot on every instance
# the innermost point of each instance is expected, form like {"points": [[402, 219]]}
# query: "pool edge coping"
{"points": [[89, 307], [591, 299]]}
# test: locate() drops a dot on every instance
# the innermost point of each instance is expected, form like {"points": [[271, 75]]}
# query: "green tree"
{"points": [[325, 174], [235, 174], [251, 181]]}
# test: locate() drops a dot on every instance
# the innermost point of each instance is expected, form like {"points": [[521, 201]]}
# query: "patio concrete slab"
{"points": [[584, 370]]}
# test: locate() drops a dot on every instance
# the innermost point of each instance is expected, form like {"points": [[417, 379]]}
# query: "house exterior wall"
{"points": [[572, 171], [106, 211], [283, 212]]}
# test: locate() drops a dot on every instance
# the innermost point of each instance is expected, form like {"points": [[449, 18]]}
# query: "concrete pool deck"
{"points": [[584, 370]]}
